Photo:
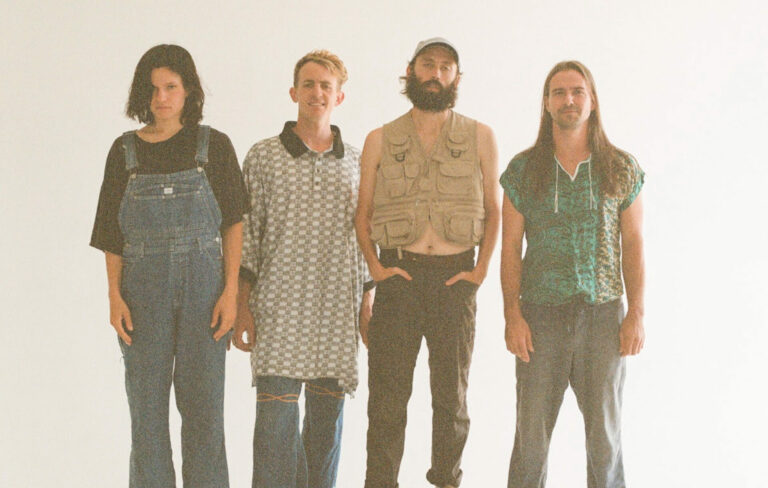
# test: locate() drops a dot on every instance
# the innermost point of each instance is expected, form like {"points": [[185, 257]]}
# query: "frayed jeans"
{"points": [[576, 344], [283, 457]]}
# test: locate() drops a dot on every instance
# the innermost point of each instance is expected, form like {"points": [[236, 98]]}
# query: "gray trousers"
{"points": [[575, 344]]}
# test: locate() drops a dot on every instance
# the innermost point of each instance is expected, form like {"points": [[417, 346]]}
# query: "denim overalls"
{"points": [[172, 278]]}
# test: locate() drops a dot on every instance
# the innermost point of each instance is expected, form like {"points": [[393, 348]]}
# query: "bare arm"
{"points": [[369, 162], [489, 166], [244, 323], [225, 311], [366, 311], [119, 315], [517, 333], [632, 333]]}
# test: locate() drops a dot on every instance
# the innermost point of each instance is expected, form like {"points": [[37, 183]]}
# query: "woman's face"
{"points": [[168, 95]]}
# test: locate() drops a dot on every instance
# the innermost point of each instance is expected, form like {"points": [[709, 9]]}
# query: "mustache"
{"points": [[434, 83]]}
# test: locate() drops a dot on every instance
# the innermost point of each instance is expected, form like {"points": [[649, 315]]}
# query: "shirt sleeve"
{"points": [[253, 222], [227, 181], [106, 235], [511, 182], [637, 179]]}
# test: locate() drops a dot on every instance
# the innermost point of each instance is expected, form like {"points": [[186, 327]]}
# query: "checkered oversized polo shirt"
{"points": [[301, 256]]}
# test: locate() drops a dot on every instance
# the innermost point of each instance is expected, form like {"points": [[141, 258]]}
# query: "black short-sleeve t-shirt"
{"points": [[170, 156]]}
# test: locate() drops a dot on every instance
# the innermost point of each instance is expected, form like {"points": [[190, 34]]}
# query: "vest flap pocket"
{"points": [[393, 228], [392, 171], [456, 169], [399, 144], [455, 178], [393, 179], [458, 138], [412, 170], [464, 226], [398, 229]]}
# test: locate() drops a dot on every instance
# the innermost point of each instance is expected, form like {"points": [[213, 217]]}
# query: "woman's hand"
{"points": [[120, 317], [224, 313]]}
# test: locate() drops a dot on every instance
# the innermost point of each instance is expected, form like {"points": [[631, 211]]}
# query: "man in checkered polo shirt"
{"points": [[301, 300]]}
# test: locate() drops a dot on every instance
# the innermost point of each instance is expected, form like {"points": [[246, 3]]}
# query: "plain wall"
{"points": [[682, 86]]}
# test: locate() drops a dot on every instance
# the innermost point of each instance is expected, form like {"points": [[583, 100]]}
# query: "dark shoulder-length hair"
{"points": [[612, 166], [178, 60]]}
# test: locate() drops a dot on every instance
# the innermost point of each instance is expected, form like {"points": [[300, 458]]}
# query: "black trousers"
{"points": [[404, 312]]}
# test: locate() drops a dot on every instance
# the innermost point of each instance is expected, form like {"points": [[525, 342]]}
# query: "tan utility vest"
{"points": [[444, 188]]}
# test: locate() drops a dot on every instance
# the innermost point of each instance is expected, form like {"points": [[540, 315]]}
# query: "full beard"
{"points": [[427, 100]]}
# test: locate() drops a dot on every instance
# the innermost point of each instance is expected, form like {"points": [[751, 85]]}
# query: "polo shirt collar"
{"points": [[296, 147]]}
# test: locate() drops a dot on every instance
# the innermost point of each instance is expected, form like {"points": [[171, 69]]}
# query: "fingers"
{"points": [[226, 326], [519, 342], [123, 334], [237, 340], [528, 342], [401, 272], [127, 319], [120, 321], [216, 315], [455, 278], [631, 346]]}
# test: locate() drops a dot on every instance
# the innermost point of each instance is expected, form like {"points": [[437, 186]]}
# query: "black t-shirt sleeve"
{"points": [[106, 234], [226, 180]]}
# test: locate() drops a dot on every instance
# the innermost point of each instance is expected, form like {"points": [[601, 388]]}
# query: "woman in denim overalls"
{"points": [[172, 297]]}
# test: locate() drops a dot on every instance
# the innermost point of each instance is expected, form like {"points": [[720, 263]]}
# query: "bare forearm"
{"points": [[367, 247], [114, 272], [485, 250], [513, 229], [511, 270], [633, 269], [243, 293], [232, 245]]}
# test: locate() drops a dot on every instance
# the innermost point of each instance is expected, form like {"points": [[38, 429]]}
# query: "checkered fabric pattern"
{"points": [[299, 242]]}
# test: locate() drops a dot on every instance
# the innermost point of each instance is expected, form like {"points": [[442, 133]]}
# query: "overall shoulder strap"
{"points": [[203, 137], [129, 147]]}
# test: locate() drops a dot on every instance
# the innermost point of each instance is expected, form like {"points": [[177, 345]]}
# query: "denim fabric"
{"points": [[576, 344], [282, 456], [172, 277], [404, 312]]}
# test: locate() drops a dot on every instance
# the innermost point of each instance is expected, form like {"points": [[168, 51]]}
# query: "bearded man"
{"points": [[427, 198]]}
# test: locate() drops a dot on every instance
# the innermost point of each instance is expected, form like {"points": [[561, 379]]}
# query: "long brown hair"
{"points": [[611, 165]]}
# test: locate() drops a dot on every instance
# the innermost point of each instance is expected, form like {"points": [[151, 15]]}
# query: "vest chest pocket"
{"points": [[399, 178], [455, 177], [393, 229], [458, 148]]}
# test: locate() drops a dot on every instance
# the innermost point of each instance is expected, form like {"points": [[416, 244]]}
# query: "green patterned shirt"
{"points": [[572, 235]]}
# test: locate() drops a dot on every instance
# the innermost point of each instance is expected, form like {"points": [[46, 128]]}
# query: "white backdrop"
{"points": [[682, 86]]}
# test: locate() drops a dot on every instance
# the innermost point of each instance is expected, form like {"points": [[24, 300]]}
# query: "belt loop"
{"points": [[399, 253], [200, 244], [141, 249]]}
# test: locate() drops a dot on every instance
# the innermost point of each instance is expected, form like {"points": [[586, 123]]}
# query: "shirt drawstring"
{"points": [[591, 196], [557, 174], [592, 203]]}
